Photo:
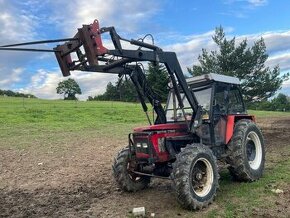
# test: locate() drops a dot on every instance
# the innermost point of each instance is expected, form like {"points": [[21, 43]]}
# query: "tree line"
{"points": [[279, 103], [15, 94]]}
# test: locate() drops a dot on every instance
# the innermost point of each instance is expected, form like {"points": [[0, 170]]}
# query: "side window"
{"points": [[235, 104], [219, 105]]}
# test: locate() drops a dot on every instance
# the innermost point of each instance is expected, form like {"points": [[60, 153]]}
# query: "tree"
{"points": [[111, 92], [69, 88], [280, 102], [258, 82], [123, 90], [158, 79], [127, 90]]}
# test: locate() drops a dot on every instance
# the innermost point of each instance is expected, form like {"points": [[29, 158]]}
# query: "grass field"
{"points": [[53, 115], [42, 118], [46, 125]]}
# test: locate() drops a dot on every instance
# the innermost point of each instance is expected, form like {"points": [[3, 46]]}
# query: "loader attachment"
{"points": [[89, 39]]}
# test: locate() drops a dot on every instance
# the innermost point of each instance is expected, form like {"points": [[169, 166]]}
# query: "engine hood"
{"points": [[159, 127]]}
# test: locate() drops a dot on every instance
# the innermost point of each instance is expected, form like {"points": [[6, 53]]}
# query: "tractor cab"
{"points": [[220, 98], [217, 94]]}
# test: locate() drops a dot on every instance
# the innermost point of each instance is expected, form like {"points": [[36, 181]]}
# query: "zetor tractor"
{"points": [[204, 119]]}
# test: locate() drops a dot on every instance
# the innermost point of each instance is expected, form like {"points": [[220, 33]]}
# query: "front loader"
{"points": [[204, 119]]}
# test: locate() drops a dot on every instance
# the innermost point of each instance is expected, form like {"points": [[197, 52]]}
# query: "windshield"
{"points": [[176, 115], [202, 96]]}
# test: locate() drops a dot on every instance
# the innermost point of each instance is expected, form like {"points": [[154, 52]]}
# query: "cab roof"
{"points": [[213, 77]]}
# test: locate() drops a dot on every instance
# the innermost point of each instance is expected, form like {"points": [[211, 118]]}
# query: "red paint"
{"points": [[161, 156], [231, 120], [95, 29], [230, 127], [142, 156], [158, 127]]}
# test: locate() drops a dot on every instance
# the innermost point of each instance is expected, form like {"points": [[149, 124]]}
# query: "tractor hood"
{"points": [[160, 127]]}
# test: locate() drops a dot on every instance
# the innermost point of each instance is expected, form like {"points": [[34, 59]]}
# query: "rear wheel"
{"points": [[127, 180], [195, 176], [246, 152]]}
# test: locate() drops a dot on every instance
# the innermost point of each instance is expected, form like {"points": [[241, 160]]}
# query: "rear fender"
{"points": [[231, 120]]}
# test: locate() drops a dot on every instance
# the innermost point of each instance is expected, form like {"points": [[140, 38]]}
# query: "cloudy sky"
{"points": [[181, 26]]}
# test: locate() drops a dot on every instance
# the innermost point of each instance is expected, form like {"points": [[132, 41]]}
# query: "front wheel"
{"points": [[127, 180], [195, 176], [246, 152]]}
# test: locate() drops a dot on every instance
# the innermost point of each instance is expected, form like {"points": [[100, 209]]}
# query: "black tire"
{"points": [[195, 165], [127, 180], [246, 152]]}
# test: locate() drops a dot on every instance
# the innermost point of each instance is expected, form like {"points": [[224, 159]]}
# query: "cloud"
{"points": [[15, 26], [6, 80], [126, 15], [251, 3], [241, 8], [286, 84], [257, 3], [277, 43], [283, 60]]}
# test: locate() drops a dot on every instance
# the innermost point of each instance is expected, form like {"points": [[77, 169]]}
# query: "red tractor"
{"points": [[204, 119]]}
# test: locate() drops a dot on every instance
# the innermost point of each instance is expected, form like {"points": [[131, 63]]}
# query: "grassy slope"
{"points": [[24, 121], [56, 115]]}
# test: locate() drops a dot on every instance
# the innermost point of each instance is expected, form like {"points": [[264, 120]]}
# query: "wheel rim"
{"points": [[202, 177], [254, 150]]}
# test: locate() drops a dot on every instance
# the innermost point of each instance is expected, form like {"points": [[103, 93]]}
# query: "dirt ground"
{"points": [[78, 182]]}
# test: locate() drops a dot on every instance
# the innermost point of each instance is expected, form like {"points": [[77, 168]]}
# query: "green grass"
{"points": [[58, 113], [262, 114], [77, 115], [23, 121], [26, 121]]}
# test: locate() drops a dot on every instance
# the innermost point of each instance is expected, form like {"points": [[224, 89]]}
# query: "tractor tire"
{"points": [[246, 152], [195, 177], [126, 180]]}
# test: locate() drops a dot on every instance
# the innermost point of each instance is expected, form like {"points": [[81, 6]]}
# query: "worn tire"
{"points": [[244, 164], [184, 175], [122, 176]]}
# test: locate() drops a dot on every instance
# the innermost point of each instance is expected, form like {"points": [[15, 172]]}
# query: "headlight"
{"points": [[142, 145]]}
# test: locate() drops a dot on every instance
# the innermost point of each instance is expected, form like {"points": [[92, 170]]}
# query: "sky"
{"points": [[184, 27]]}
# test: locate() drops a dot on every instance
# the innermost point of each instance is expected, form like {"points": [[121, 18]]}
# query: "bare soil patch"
{"points": [[77, 181]]}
